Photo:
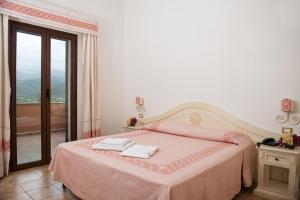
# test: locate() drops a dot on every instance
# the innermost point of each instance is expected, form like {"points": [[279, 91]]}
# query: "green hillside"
{"points": [[29, 89]]}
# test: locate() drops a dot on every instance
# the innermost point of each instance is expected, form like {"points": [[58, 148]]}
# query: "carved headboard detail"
{"points": [[206, 115]]}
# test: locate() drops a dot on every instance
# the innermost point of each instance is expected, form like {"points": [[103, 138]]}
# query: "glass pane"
{"points": [[59, 92], [28, 97]]}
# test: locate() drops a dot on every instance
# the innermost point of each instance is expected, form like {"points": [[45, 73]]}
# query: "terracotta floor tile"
{"points": [[59, 186], [43, 193], [18, 177], [43, 168], [35, 184], [61, 196], [46, 176], [6, 181], [15, 188], [27, 177], [16, 196], [11, 189], [43, 173]]}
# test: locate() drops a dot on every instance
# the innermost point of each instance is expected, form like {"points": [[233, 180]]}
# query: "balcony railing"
{"points": [[29, 117]]}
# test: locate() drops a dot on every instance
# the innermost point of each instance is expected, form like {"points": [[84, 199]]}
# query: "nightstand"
{"points": [[130, 128], [278, 173]]}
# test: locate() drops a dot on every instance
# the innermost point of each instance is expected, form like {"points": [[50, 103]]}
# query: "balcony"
{"points": [[29, 117], [29, 129]]}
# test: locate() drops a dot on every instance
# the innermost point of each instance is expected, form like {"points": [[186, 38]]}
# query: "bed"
{"points": [[188, 165]]}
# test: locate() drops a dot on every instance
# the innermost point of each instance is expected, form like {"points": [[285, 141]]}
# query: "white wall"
{"points": [[241, 55], [109, 14]]}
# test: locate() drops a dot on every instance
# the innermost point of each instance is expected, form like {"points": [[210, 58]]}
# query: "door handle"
{"points": [[48, 93]]}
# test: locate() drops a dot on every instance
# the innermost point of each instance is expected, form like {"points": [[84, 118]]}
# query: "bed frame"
{"points": [[206, 115]]}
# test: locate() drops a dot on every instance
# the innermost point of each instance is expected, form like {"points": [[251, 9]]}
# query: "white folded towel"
{"points": [[140, 151], [101, 146], [115, 141]]}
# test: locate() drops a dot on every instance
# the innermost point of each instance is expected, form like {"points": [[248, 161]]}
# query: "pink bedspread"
{"points": [[184, 168]]}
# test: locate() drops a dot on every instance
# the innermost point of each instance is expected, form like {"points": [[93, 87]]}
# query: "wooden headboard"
{"points": [[205, 115]]}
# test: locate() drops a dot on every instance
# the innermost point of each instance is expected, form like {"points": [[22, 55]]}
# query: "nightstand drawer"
{"points": [[277, 159]]}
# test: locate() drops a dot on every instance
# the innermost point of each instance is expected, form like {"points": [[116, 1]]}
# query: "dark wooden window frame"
{"points": [[46, 35]]}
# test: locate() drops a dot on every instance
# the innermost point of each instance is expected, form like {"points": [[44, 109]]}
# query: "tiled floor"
{"points": [[29, 145], [37, 184]]}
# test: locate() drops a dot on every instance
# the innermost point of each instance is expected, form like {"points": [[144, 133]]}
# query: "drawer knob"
{"points": [[276, 159]]}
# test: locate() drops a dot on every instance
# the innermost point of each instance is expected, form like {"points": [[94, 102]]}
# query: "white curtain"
{"points": [[89, 87], [4, 98]]}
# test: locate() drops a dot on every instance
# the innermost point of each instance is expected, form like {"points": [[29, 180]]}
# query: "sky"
{"points": [[29, 55]]}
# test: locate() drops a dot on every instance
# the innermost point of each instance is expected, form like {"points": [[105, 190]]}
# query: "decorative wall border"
{"points": [[22, 10]]}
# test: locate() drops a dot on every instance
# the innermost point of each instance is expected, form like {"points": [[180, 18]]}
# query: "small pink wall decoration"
{"points": [[139, 101], [288, 107]]}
